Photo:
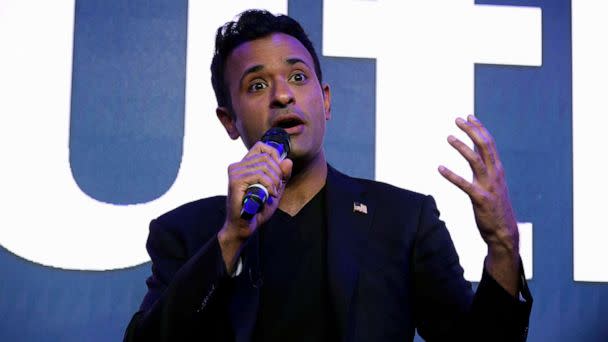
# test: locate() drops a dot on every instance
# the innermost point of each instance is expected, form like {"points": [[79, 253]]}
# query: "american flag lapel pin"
{"points": [[359, 208]]}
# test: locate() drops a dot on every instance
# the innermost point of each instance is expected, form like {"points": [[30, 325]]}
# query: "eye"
{"points": [[298, 77], [257, 85]]}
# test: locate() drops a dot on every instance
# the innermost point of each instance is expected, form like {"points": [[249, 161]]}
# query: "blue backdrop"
{"points": [[129, 67]]}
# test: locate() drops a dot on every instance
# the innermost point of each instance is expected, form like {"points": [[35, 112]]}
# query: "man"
{"points": [[329, 257]]}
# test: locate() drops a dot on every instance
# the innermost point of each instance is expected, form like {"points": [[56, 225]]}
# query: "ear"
{"points": [[228, 121], [327, 101]]}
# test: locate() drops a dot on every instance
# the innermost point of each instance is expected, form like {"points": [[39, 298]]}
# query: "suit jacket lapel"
{"points": [[347, 231]]}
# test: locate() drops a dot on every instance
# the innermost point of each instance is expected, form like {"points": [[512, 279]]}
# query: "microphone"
{"points": [[257, 194]]}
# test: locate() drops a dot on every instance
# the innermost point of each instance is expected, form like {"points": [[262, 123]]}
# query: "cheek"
{"points": [[316, 105], [253, 107], [248, 130]]}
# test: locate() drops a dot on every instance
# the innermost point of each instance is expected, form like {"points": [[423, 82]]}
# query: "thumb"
{"points": [[286, 166]]}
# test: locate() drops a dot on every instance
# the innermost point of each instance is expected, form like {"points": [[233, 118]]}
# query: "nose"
{"points": [[282, 95]]}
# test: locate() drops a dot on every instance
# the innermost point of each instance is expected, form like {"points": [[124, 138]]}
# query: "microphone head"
{"points": [[278, 138]]}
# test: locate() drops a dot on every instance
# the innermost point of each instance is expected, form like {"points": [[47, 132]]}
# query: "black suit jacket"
{"points": [[391, 270]]}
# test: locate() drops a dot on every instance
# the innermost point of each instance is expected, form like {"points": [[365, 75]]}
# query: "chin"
{"points": [[301, 157]]}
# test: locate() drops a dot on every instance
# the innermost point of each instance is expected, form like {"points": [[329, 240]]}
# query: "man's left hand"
{"points": [[490, 198]]}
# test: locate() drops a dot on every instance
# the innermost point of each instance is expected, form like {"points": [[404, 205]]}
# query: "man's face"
{"points": [[272, 82]]}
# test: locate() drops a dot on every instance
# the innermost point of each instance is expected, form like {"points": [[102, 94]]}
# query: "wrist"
{"points": [[505, 242], [502, 263], [504, 250], [224, 236], [230, 245]]}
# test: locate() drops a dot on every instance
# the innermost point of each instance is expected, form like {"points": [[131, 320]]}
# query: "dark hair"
{"points": [[251, 25]]}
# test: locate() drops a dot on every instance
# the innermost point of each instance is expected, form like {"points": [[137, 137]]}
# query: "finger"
{"points": [[472, 157], [286, 167], [239, 173], [482, 140], [492, 156], [261, 148], [266, 153], [273, 201], [482, 145], [492, 149], [477, 194], [259, 162], [460, 182], [258, 177], [473, 120]]}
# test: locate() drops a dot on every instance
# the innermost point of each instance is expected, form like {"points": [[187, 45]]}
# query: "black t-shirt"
{"points": [[294, 299]]}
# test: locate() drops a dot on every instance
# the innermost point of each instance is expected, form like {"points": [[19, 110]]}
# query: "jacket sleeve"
{"points": [[446, 307], [186, 294]]}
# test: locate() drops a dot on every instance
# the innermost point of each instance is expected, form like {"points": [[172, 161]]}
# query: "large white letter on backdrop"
{"points": [[425, 53], [46, 218], [589, 145]]}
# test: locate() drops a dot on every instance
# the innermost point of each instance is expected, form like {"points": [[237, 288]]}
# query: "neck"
{"points": [[306, 181]]}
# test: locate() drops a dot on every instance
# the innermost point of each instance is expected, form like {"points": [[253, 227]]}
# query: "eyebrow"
{"points": [[259, 67], [250, 70], [295, 60]]}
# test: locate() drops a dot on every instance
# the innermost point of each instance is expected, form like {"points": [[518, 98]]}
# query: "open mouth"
{"points": [[291, 124], [288, 123]]}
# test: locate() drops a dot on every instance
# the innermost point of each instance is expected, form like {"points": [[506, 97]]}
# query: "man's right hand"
{"points": [[261, 165]]}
